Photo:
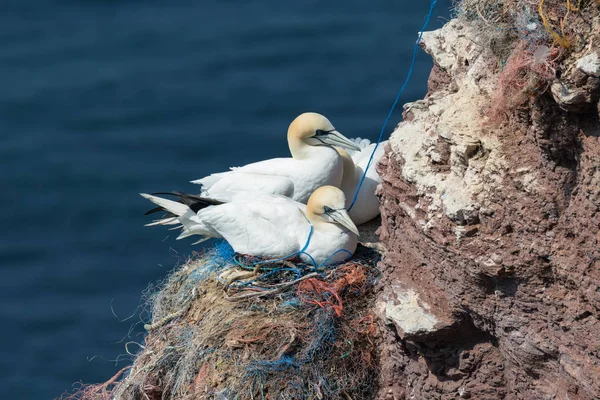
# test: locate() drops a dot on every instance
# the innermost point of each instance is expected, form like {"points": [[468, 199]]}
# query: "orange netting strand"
{"points": [[101, 391], [354, 277], [269, 329], [369, 330], [327, 296], [201, 379], [320, 293]]}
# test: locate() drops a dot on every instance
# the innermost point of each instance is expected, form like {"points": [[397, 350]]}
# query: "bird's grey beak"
{"points": [[335, 138], [342, 218]]}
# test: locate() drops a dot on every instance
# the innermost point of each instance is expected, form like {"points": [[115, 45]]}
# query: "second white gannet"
{"points": [[314, 163], [274, 227], [366, 206]]}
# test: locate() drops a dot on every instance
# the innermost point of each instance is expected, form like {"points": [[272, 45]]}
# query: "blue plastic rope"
{"points": [[410, 71], [333, 254], [296, 271]]}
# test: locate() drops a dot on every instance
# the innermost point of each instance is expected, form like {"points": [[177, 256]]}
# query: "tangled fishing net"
{"points": [[225, 327]]}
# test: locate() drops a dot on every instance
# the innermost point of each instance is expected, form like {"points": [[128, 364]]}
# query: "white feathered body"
{"points": [[263, 225], [366, 206], [289, 177]]}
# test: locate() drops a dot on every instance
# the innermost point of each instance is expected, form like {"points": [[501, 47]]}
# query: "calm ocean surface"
{"points": [[103, 99]]}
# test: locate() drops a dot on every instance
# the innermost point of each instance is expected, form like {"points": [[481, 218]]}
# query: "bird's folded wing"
{"points": [[273, 166], [361, 158], [236, 182], [267, 227], [268, 176]]}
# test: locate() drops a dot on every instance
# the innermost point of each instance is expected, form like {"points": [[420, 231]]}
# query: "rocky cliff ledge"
{"points": [[491, 211]]}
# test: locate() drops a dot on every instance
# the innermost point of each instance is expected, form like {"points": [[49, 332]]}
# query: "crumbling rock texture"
{"points": [[491, 284]]}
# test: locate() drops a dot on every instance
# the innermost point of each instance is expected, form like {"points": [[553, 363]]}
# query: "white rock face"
{"points": [[452, 122], [409, 314], [590, 64]]}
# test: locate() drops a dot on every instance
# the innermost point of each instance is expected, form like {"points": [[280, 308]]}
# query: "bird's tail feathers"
{"points": [[194, 202], [196, 230], [185, 233], [204, 239], [174, 207], [183, 215], [164, 221]]}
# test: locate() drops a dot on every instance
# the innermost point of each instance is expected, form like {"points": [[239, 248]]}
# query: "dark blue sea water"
{"points": [[103, 99]]}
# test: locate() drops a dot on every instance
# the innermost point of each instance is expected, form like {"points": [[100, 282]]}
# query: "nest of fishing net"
{"points": [[227, 327]]}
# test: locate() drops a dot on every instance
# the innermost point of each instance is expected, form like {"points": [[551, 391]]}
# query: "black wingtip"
{"points": [[154, 210], [173, 193], [194, 202]]}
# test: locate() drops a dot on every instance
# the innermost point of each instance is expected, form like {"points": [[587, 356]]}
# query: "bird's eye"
{"points": [[327, 210], [321, 132]]}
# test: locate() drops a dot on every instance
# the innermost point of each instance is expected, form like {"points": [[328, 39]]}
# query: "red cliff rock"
{"points": [[491, 281]]}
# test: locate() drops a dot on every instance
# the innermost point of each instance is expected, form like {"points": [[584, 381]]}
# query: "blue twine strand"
{"points": [[302, 251], [410, 71]]}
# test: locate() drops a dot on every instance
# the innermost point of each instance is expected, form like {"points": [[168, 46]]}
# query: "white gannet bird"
{"points": [[366, 206], [314, 163], [274, 227]]}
